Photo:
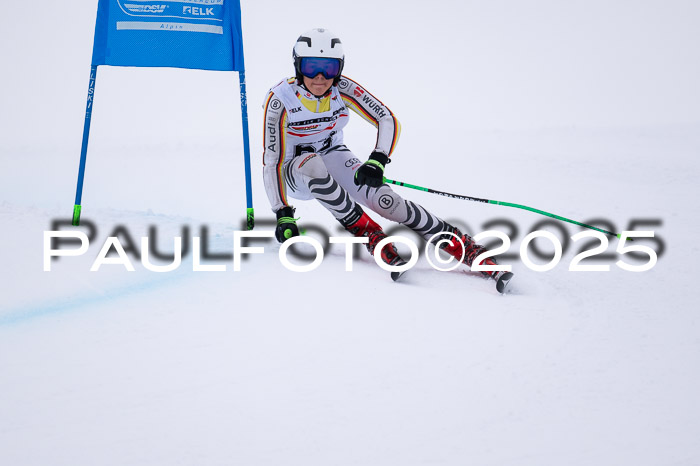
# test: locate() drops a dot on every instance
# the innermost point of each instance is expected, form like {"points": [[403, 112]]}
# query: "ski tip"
{"points": [[502, 281], [396, 275]]}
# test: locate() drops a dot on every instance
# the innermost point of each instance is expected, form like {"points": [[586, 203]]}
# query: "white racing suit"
{"points": [[305, 157]]}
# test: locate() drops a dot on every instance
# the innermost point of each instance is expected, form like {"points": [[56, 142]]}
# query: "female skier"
{"points": [[305, 157]]}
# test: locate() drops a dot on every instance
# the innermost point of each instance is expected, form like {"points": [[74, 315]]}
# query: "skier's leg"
{"points": [[307, 178], [342, 164], [392, 206]]}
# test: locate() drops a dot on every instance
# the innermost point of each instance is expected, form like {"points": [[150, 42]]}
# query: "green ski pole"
{"points": [[508, 204]]}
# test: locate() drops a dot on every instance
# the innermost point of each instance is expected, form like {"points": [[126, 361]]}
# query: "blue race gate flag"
{"points": [[196, 34], [199, 34]]}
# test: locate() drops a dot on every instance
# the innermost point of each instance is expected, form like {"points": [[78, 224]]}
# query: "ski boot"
{"points": [[469, 252], [365, 226]]}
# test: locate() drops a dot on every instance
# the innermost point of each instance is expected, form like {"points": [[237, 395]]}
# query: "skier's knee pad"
{"points": [[312, 167]]}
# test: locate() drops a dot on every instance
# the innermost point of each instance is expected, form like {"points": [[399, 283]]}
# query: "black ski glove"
{"points": [[286, 224], [371, 173]]}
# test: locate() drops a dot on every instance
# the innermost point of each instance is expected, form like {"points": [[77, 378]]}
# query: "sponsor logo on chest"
{"points": [[322, 123]]}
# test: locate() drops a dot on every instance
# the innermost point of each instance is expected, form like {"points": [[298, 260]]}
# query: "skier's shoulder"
{"points": [[276, 89], [351, 90], [289, 81], [348, 87], [272, 98]]}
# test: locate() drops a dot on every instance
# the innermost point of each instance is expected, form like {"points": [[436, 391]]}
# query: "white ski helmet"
{"points": [[320, 43]]}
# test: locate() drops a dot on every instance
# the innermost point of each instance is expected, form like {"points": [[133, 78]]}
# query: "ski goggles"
{"points": [[312, 66]]}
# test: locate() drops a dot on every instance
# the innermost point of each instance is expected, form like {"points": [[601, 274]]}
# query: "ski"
{"points": [[502, 279], [397, 275]]}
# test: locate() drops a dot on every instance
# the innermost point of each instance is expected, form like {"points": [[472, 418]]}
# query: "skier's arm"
{"points": [[273, 155], [373, 110]]}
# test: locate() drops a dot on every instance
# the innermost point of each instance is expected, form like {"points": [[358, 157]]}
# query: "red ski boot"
{"points": [[365, 226], [468, 250]]}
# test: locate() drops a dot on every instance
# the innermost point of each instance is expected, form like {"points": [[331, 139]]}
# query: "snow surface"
{"points": [[587, 109]]}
